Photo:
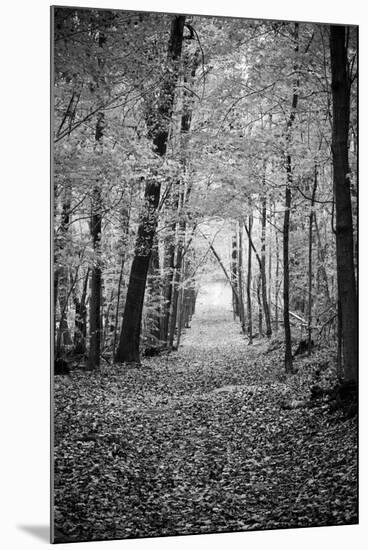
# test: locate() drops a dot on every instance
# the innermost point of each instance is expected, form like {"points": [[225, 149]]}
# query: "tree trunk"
{"points": [[106, 319], [61, 278], [125, 234], [96, 272], [262, 271], [240, 279], [310, 261], [277, 281], [321, 259], [81, 319], [286, 226], [176, 282], [270, 269], [266, 305], [158, 120], [179, 198], [340, 370], [260, 315], [180, 312], [288, 352], [344, 222], [234, 274], [249, 282], [169, 268], [153, 299]]}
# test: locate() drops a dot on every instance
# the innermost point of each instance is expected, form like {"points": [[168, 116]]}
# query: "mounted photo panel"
{"points": [[204, 372]]}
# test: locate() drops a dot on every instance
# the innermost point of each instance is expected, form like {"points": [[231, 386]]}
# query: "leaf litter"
{"points": [[198, 441]]}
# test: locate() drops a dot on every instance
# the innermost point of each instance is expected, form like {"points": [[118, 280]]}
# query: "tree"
{"points": [[341, 178], [158, 120], [286, 226], [249, 280], [95, 320]]}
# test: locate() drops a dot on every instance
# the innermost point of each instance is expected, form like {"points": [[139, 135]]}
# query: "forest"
{"points": [[205, 197]]}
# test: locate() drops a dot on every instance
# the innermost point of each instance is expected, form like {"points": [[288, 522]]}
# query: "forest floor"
{"points": [[208, 439]]}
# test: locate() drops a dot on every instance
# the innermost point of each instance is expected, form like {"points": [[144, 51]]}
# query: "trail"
{"points": [[197, 442]]}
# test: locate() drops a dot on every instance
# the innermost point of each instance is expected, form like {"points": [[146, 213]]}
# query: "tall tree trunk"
{"points": [[286, 227], [249, 281], [266, 305], [340, 369], [260, 315], [277, 281], [124, 240], [322, 259], [95, 319], [270, 268], [240, 279], [154, 298], [263, 289], [234, 274], [106, 319], [180, 312], [344, 221], [158, 120], [61, 277], [81, 318], [176, 282], [310, 261], [169, 268], [185, 123], [288, 351], [96, 271]]}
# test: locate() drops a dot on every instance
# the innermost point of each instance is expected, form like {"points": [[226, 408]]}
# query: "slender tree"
{"points": [[286, 226], [265, 302], [262, 277], [310, 259], [234, 274], [240, 278], [249, 280]]}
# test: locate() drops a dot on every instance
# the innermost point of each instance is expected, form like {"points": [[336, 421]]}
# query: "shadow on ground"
{"points": [[41, 532]]}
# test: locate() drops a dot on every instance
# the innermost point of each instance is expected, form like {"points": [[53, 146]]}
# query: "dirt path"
{"points": [[197, 442]]}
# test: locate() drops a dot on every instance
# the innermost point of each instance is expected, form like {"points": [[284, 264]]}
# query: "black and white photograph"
{"points": [[204, 316]]}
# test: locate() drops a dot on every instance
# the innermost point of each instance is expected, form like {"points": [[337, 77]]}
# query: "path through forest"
{"points": [[198, 441]]}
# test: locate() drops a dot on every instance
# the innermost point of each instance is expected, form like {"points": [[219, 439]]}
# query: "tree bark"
{"points": [[96, 271], [310, 261], [286, 294], [61, 278], [153, 299], [277, 281], [234, 274], [158, 120], [176, 281], [95, 319], [240, 279], [286, 226], [263, 289], [81, 319], [169, 268], [125, 234], [260, 315], [249, 281], [322, 259], [344, 221], [266, 305]]}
